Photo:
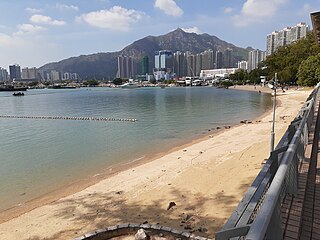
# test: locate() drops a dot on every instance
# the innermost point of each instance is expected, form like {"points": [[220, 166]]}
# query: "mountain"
{"points": [[104, 65]]}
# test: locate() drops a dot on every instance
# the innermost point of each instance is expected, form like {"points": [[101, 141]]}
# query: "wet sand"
{"points": [[206, 179]]}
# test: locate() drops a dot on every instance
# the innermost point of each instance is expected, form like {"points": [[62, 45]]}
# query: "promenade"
{"points": [[283, 201], [301, 213]]}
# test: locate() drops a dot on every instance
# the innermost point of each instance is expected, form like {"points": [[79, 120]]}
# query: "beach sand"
{"points": [[206, 180]]}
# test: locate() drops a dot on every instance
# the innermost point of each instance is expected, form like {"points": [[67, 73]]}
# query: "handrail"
{"points": [[262, 222], [258, 213], [259, 227]]}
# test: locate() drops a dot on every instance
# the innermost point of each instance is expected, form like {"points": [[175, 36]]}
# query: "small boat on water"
{"points": [[18, 94], [131, 84]]}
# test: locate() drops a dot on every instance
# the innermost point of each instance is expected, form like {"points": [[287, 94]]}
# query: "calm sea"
{"points": [[38, 156]]}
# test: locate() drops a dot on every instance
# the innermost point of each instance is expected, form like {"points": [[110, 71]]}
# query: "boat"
{"points": [[12, 88], [18, 94], [131, 84]]}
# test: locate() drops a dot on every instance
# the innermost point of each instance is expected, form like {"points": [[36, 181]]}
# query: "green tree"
{"points": [[117, 81], [287, 59], [309, 71], [239, 76], [91, 82]]}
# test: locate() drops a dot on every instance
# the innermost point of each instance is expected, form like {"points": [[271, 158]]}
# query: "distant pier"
{"points": [[99, 119]]}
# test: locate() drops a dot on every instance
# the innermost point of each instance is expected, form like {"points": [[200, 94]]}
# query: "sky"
{"points": [[36, 32]]}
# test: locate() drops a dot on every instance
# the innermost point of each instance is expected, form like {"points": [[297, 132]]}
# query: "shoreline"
{"points": [[153, 169], [109, 172]]}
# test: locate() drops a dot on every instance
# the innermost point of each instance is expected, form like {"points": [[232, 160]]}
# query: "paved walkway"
{"points": [[301, 214]]}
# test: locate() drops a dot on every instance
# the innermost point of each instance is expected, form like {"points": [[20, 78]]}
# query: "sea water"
{"points": [[39, 156]]}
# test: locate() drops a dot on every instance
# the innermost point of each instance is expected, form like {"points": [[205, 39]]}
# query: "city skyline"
{"points": [[41, 32]]}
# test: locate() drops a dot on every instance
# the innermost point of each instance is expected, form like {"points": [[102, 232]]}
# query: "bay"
{"points": [[39, 156]]}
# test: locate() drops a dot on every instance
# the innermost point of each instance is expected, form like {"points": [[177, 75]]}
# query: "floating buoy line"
{"points": [[102, 119]]}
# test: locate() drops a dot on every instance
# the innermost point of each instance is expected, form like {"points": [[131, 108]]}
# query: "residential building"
{"points": [[228, 58], [180, 64], [285, 37], [29, 73], [125, 67], [4, 76], [254, 58], [163, 68], [15, 72], [219, 60], [145, 65], [70, 76], [55, 76], [243, 65], [208, 59], [198, 64], [191, 64]]}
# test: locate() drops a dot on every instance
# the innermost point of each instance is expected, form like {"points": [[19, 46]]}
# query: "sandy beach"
{"points": [[205, 179]]}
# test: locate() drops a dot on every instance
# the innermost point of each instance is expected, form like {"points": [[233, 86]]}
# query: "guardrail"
{"points": [[258, 215]]}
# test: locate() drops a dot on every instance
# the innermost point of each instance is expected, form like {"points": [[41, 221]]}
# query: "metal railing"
{"points": [[258, 215]]}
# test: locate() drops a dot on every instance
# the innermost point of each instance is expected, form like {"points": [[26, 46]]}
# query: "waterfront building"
{"points": [[207, 59], [125, 67], [29, 73], [163, 67], [180, 64], [145, 65], [217, 73], [55, 75], [4, 76], [15, 72], [219, 60], [70, 76], [243, 65], [285, 37], [198, 64], [254, 58], [228, 58], [45, 75], [191, 64]]}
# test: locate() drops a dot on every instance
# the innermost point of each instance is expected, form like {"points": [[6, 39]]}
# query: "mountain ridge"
{"points": [[104, 64]]}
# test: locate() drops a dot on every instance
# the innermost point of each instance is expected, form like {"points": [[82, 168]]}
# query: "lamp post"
{"points": [[274, 87]]}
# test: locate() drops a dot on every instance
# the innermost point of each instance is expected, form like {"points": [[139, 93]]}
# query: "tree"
{"points": [[309, 71], [239, 76], [117, 81], [287, 59], [91, 82]]}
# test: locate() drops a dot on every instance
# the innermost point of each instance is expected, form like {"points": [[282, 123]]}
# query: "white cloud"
{"points": [[33, 10], [228, 10], [257, 10], [42, 19], [28, 28], [117, 18], [65, 7], [7, 40], [192, 30], [169, 7]]}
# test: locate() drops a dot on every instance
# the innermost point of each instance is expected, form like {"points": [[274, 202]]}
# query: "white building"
{"points": [[214, 73], [286, 36], [243, 65], [254, 58]]}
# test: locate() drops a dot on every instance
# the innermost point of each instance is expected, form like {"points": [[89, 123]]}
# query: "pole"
{"points": [[274, 113]]}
